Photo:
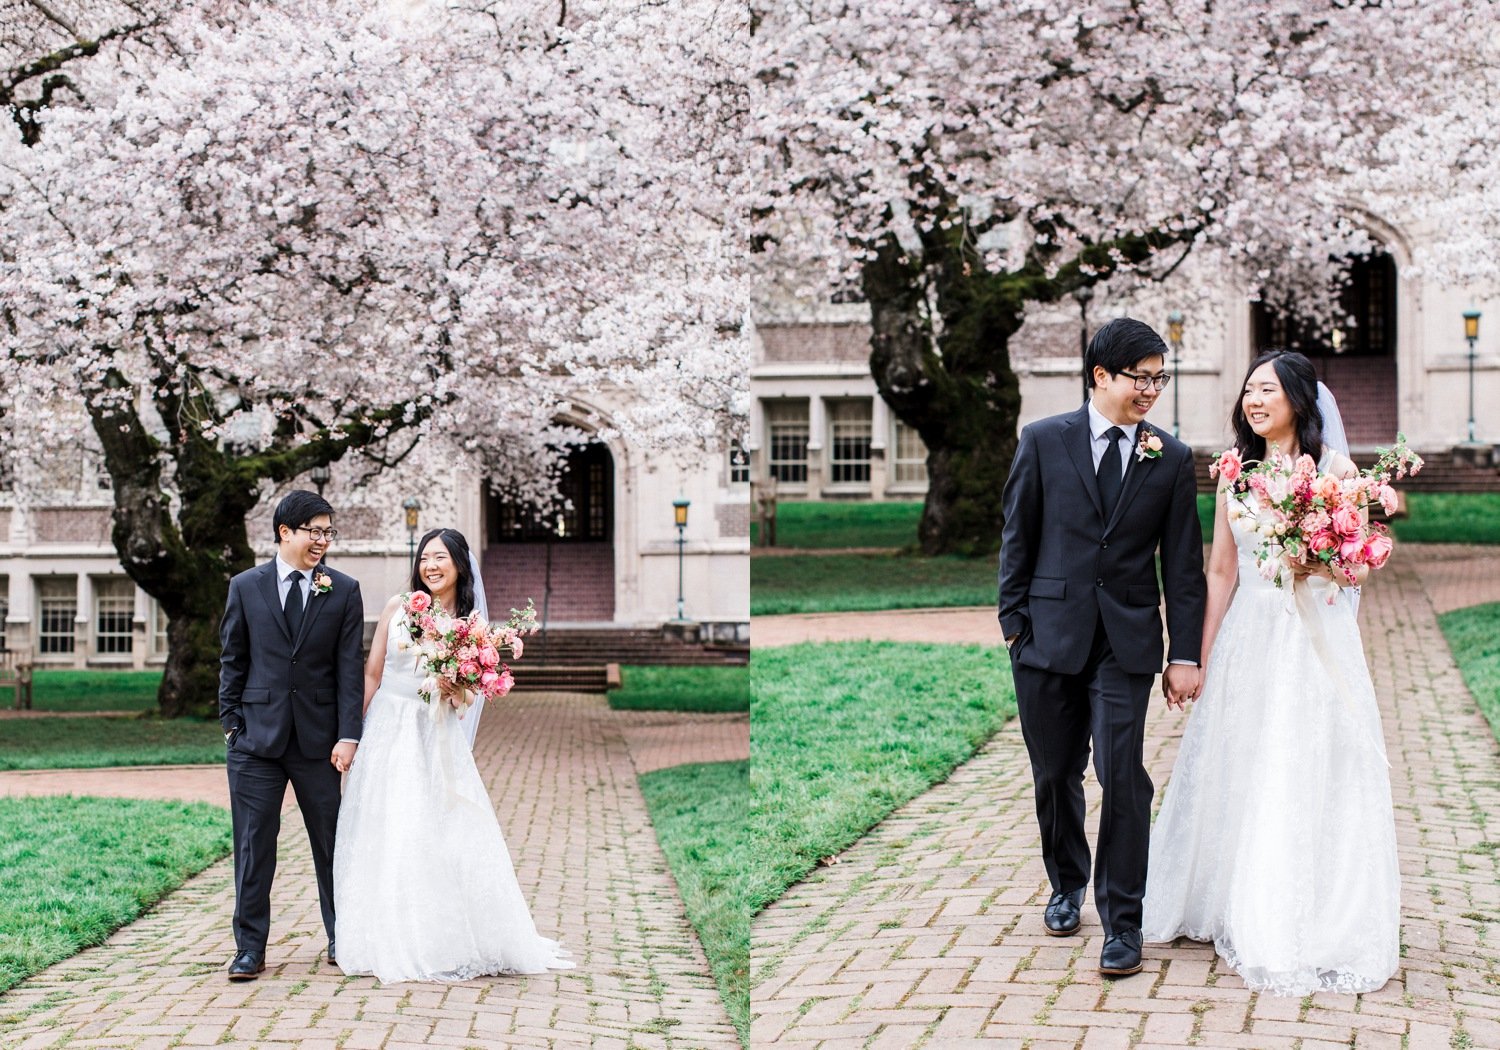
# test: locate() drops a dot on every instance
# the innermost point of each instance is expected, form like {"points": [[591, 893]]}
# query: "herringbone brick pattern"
{"points": [[928, 932], [563, 780]]}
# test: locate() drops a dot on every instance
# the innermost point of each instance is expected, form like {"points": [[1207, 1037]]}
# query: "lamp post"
{"points": [[1174, 334], [1084, 293], [320, 476], [412, 508], [679, 517], [1471, 333]]}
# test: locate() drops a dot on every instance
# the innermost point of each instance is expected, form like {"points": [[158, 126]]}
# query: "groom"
{"points": [[291, 699], [1091, 497]]}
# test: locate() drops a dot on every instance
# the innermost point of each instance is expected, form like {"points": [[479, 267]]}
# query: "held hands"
{"points": [[1181, 683], [343, 755]]}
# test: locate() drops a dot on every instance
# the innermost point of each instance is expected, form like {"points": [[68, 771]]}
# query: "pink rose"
{"points": [[1378, 550], [516, 647], [428, 624], [1327, 486], [488, 657], [468, 668], [1322, 541], [1346, 522], [1352, 550], [1228, 464], [420, 602]]}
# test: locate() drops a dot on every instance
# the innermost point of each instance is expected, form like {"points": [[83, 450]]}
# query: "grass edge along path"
{"points": [[812, 583], [77, 869], [712, 688], [699, 817], [843, 733], [89, 743], [1473, 636]]}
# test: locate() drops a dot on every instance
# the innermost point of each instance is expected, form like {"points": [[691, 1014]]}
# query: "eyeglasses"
{"points": [[1159, 381], [320, 535]]}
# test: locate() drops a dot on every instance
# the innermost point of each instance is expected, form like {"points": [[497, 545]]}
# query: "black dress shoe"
{"points": [[332, 958], [247, 966], [1063, 916], [1121, 954]]}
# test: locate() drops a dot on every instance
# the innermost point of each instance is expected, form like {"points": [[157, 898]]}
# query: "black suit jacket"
{"points": [[1062, 564], [270, 683]]}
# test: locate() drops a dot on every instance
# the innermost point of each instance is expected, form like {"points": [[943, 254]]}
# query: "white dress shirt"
{"points": [[284, 586], [1097, 426]]}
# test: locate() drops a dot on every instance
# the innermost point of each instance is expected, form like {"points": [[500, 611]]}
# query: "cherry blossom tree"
{"points": [[246, 247], [954, 163]]}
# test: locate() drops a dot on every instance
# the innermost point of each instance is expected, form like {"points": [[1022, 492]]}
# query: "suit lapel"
{"points": [[315, 603], [1135, 476], [1076, 439], [272, 596]]}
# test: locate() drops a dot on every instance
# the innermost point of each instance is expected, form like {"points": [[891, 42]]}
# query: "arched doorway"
{"points": [[1356, 359], [561, 557]]}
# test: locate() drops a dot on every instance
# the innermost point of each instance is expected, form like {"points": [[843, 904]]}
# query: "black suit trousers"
{"points": [[1060, 714], [257, 789]]}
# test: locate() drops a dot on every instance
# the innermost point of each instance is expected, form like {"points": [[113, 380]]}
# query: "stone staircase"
{"points": [[575, 659]]}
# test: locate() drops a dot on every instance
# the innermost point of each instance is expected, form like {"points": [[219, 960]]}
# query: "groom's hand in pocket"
{"points": [[1181, 683]]}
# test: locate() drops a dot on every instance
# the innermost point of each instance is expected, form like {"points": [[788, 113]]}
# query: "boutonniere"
{"points": [[1148, 445], [322, 583]]}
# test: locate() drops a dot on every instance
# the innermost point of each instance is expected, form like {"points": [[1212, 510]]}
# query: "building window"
{"points": [[739, 464], [849, 430], [158, 629], [114, 609], [57, 608], [786, 433], [910, 463]]}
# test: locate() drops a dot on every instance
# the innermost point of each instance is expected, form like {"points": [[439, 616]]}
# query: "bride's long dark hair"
{"points": [[458, 550], [1299, 381]]}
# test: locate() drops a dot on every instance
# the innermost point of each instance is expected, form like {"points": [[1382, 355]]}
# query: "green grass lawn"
{"points": [[1474, 637], [1450, 517], [64, 743], [699, 815], [76, 869], [845, 524], [95, 690], [843, 733], [682, 689], [829, 582]]}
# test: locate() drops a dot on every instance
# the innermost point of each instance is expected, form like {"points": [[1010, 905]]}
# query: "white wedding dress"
{"points": [[423, 882], [1276, 838]]}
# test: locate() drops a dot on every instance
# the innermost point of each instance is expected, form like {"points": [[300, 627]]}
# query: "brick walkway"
{"points": [[560, 770], [928, 931]]}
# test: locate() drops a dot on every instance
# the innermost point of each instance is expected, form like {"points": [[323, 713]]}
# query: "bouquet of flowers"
{"points": [[462, 654], [1306, 519]]}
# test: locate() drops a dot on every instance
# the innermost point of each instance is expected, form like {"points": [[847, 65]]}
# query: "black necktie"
{"points": [[1110, 475], [293, 607]]}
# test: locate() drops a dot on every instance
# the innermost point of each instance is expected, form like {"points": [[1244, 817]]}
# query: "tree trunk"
{"points": [[950, 379], [184, 562]]}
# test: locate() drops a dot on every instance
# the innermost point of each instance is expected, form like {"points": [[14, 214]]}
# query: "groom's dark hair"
{"points": [[296, 509], [1118, 344]]}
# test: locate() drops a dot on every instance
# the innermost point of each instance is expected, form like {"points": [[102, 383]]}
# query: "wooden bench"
{"points": [[15, 673]]}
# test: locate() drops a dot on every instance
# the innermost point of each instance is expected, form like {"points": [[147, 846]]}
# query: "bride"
{"points": [[422, 877], [1276, 838]]}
